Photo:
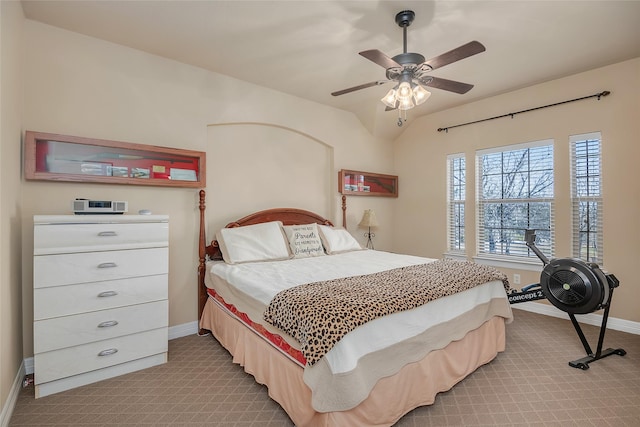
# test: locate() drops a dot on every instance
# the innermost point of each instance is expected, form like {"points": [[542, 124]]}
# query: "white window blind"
{"points": [[586, 197], [515, 193], [456, 183]]}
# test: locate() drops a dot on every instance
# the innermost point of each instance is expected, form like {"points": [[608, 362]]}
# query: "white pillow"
{"points": [[259, 242], [336, 240], [304, 240]]}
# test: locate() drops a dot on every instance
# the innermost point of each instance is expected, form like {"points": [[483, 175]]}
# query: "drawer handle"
{"points": [[107, 265], [108, 324], [108, 352], [107, 294], [107, 234]]}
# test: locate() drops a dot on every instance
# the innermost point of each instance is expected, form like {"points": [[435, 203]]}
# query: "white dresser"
{"points": [[100, 297]]}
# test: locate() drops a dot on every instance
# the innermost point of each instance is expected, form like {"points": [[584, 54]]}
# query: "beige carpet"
{"points": [[530, 384]]}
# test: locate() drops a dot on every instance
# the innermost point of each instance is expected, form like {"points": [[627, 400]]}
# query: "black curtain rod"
{"points": [[597, 95]]}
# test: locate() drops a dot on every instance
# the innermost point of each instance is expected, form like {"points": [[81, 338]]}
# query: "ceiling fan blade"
{"points": [[362, 86], [380, 58], [450, 85], [464, 51]]}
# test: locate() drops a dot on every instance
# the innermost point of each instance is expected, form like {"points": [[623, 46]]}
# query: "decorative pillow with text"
{"points": [[304, 240]]}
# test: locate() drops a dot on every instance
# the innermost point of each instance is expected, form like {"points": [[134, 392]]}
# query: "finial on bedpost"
{"points": [[344, 211], [201, 194]]}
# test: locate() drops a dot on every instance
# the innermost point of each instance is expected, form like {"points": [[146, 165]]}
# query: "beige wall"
{"points": [[265, 167], [82, 86], [10, 215], [420, 155], [86, 87]]}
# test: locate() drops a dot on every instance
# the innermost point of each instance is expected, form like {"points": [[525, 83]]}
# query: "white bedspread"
{"points": [[250, 287], [263, 280]]}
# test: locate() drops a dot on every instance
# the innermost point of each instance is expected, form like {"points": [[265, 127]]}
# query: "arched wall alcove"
{"points": [[254, 166]]}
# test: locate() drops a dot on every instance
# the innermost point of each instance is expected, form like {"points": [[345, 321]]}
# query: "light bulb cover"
{"points": [[404, 91], [390, 99], [420, 94], [406, 103], [406, 95]]}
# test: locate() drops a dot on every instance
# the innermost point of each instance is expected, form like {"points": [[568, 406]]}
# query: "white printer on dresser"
{"points": [[100, 297]]}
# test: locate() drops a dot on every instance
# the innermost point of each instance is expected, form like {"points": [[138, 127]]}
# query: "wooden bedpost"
{"points": [[202, 254], [344, 211]]}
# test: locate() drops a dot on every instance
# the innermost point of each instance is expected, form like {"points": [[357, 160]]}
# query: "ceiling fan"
{"points": [[411, 71]]}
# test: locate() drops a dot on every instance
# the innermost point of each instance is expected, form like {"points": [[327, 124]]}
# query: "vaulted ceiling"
{"points": [[310, 48]]}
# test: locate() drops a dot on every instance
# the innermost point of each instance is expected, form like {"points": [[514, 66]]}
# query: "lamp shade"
{"points": [[369, 219]]}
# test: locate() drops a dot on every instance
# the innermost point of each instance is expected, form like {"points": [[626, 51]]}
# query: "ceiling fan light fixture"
{"points": [[390, 99], [406, 103], [404, 91], [420, 94], [405, 96]]}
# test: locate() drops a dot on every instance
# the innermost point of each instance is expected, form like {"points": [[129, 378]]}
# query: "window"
{"points": [[515, 193], [586, 197], [455, 195]]}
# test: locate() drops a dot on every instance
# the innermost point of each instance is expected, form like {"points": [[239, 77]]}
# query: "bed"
{"points": [[367, 370]]}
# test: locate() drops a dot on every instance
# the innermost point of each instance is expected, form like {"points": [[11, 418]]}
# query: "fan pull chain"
{"points": [[400, 120]]}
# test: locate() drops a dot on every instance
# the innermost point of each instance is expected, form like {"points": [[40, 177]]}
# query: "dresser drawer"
{"points": [[70, 361], [67, 269], [74, 299], [70, 238], [68, 331]]}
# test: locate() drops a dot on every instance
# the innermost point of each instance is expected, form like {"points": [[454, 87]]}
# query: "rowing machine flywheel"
{"points": [[575, 286]]}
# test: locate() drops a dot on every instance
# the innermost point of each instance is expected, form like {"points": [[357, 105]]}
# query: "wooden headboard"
{"points": [[206, 250]]}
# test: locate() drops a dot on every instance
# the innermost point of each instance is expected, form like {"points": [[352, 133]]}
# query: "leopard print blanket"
{"points": [[319, 314]]}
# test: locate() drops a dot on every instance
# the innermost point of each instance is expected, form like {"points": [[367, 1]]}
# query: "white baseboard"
{"points": [[183, 330], [589, 319], [7, 407]]}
